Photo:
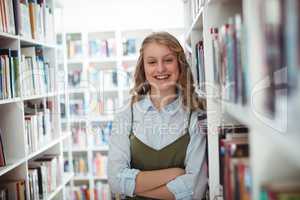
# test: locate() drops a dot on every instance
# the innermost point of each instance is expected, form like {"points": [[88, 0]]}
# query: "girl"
{"points": [[157, 150]]}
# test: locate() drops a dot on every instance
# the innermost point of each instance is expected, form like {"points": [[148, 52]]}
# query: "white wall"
{"points": [[95, 15]]}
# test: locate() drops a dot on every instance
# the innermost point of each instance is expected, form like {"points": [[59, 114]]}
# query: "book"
{"points": [[37, 74], [234, 161], [9, 73], [280, 190], [280, 49], [101, 133], [80, 164], [15, 188], [79, 136], [74, 46], [81, 192], [99, 165], [102, 47], [129, 46], [2, 156], [38, 124], [229, 66], [4, 194], [74, 78], [200, 67], [102, 191]]}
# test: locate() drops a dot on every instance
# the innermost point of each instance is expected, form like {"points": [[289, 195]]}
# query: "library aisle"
{"points": [[67, 68]]}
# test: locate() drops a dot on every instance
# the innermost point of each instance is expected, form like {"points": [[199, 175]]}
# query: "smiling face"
{"points": [[161, 68]]}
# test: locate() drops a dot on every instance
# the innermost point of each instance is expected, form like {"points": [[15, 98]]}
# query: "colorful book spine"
{"points": [[229, 66]]}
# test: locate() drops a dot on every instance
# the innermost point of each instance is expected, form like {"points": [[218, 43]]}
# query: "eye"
{"points": [[169, 60], [151, 62]]}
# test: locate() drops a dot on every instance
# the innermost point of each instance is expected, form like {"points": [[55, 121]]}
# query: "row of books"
{"points": [[74, 48], [100, 165], [12, 189], [7, 21], [80, 164], [29, 18], [38, 128], [98, 104], [77, 107], [37, 73], [79, 136], [81, 192], [281, 190], [100, 48], [280, 49], [127, 75], [44, 176], [230, 70], [102, 191], [101, 105], [9, 74], [34, 19], [67, 167], [100, 78], [75, 78], [101, 133], [235, 173], [129, 46]]}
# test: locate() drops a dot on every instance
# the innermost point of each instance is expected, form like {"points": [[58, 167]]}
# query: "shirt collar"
{"points": [[173, 106]]}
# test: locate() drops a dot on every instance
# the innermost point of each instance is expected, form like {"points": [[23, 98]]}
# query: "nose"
{"points": [[161, 67]]}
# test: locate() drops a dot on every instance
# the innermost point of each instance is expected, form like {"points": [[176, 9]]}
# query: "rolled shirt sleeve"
{"points": [[121, 177], [192, 185]]}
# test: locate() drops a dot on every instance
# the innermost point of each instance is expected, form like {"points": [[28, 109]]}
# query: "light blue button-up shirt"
{"points": [[157, 129]]}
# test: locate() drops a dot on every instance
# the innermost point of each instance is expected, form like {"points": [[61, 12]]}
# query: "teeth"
{"points": [[162, 76]]}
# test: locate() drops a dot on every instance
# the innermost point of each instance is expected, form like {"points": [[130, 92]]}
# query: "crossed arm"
{"points": [[153, 183]]}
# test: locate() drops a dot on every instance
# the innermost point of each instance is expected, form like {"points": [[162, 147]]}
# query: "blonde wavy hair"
{"points": [[141, 87]]}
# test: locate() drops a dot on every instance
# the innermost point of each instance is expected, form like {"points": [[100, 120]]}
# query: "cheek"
{"points": [[175, 72], [148, 73]]}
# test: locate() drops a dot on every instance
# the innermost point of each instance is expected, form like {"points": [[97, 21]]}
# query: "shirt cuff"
{"points": [[127, 178], [180, 190]]}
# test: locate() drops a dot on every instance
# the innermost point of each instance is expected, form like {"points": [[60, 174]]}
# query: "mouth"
{"points": [[162, 77]]}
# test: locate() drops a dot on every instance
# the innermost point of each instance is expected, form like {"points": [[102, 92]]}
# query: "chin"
{"points": [[168, 90]]}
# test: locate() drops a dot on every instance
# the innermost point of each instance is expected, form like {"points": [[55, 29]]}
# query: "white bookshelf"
{"points": [[12, 121], [274, 143]]}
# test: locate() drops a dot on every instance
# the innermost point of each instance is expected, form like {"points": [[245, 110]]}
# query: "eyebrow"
{"points": [[151, 57]]}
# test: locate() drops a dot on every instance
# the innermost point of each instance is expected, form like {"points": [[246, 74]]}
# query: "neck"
{"points": [[161, 99]]}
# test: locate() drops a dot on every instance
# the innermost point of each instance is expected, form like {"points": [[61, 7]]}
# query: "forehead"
{"points": [[155, 49]]}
